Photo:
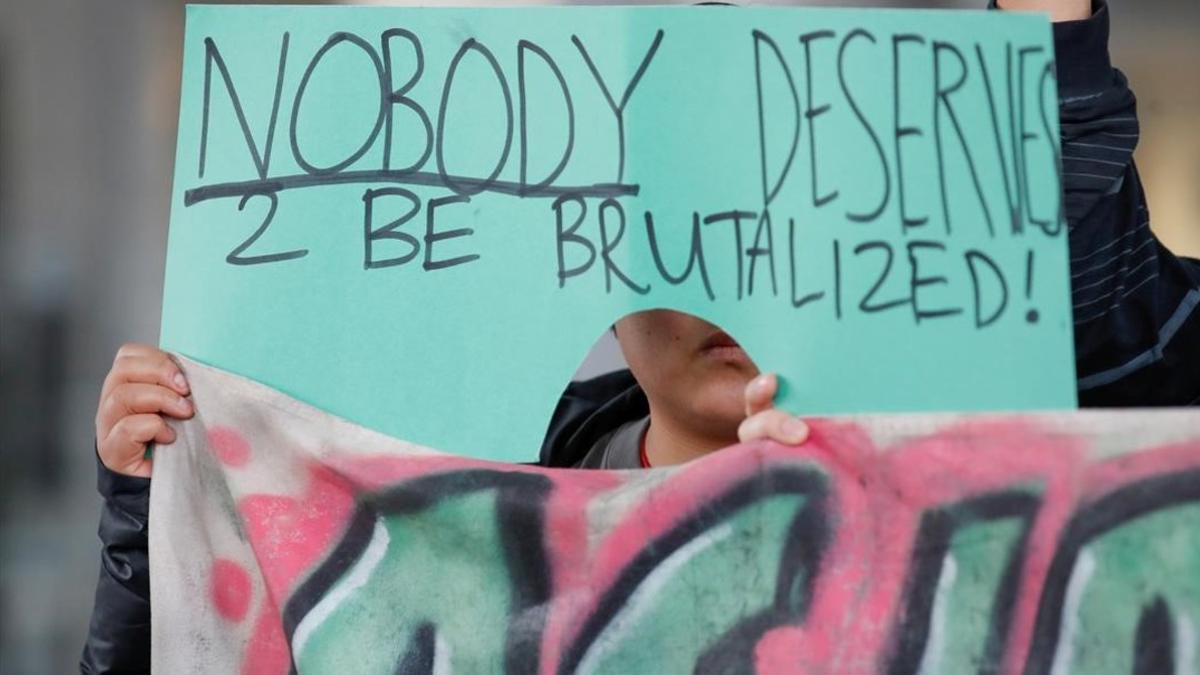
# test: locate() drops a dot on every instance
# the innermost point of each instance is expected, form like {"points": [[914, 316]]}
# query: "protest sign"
{"points": [[287, 540], [421, 219]]}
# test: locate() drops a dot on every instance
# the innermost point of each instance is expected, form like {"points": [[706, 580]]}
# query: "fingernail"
{"points": [[761, 382], [795, 429], [185, 406], [180, 383]]}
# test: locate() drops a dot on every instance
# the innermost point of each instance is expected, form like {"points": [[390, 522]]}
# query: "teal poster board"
{"points": [[421, 219]]}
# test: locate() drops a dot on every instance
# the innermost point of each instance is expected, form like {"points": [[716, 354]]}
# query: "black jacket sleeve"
{"points": [[119, 636], [1136, 306]]}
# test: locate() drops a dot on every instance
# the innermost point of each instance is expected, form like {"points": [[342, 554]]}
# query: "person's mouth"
{"points": [[722, 347]]}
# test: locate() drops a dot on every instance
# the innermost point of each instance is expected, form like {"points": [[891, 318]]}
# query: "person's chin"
{"points": [[721, 398]]}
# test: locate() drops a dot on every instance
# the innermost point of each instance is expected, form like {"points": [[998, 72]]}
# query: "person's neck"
{"points": [[669, 443]]}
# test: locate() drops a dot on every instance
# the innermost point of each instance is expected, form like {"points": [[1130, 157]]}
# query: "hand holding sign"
{"points": [[143, 388], [1059, 10]]}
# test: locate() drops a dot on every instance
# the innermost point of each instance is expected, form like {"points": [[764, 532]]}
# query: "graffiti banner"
{"points": [[288, 540], [868, 201]]}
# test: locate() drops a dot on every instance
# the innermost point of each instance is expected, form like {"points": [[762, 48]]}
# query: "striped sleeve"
{"points": [[1136, 305]]}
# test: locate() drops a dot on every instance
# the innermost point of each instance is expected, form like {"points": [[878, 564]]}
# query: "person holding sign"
{"points": [[691, 389], [1137, 322]]}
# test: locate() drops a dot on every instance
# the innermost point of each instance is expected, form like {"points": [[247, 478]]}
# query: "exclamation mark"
{"points": [[1032, 315]]}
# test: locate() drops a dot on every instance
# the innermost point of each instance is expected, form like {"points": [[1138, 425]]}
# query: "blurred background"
{"points": [[88, 103]]}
